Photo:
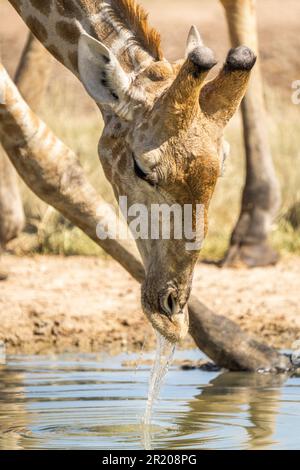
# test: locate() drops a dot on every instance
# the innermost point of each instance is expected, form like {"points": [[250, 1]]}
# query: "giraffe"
{"points": [[53, 172], [261, 196], [31, 77], [163, 136]]}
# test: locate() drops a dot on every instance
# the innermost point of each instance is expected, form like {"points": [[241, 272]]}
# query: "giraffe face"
{"points": [[162, 146], [153, 166]]}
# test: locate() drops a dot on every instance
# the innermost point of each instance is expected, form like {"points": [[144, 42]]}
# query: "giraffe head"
{"points": [[163, 144]]}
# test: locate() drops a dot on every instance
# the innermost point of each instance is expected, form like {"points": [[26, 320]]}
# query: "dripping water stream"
{"points": [[163, 357]]}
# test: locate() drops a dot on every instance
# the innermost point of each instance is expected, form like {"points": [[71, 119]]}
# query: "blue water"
{"points": [[95, 402]]}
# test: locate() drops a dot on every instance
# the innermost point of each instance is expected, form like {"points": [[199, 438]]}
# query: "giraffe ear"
{"points": [[194, 40], [100, 72]]}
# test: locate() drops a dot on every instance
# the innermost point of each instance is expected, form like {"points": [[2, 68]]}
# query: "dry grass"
{"points": [[79, 125]]}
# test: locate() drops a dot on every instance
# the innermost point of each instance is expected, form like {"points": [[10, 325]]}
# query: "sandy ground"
{"points": [[90, 304]]}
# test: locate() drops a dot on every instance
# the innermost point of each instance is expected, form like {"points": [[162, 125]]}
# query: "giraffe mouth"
{"points": [[173, 327]]}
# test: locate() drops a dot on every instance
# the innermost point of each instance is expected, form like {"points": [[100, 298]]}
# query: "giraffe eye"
{"points": [[137, 169], [140, 173]]}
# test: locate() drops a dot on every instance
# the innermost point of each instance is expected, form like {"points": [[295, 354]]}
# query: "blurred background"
{"points": [[72, 115]]}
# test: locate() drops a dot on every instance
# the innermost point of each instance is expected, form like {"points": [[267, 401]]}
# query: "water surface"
{"points": [[95, 402]]}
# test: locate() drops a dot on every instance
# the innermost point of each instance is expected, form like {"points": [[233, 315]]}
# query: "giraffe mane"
{"points": [[134, 18]]}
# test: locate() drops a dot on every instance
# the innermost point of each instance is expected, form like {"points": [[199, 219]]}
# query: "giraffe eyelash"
{"points": [[140, 173]]}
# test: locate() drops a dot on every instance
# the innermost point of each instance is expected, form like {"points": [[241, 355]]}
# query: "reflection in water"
{"points": [[83, 402], [13, 415], [231, 395]]}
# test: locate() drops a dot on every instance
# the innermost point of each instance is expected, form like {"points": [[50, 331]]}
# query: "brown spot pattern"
{"points": [[126, 60], [68, 9], [68, 31], [55, 52], [43, 6], [91, 6], [37, 28], [105, 30]]}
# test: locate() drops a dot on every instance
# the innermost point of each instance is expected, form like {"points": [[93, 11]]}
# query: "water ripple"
{"points": [[87, 402]]}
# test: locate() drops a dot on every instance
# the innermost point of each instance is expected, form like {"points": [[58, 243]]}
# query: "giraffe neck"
{"points": [[120, 24]]}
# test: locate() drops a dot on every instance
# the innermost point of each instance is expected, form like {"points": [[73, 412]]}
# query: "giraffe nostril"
{"points": [[169, 305], [170, 302]]}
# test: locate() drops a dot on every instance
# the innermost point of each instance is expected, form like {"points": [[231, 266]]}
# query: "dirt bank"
{"points": [[56, 304]]}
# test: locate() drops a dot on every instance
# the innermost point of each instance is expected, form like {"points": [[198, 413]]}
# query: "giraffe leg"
{"points": [[11, 208], [261, 196], [31, 77], [33, 72], [3, 271]]}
